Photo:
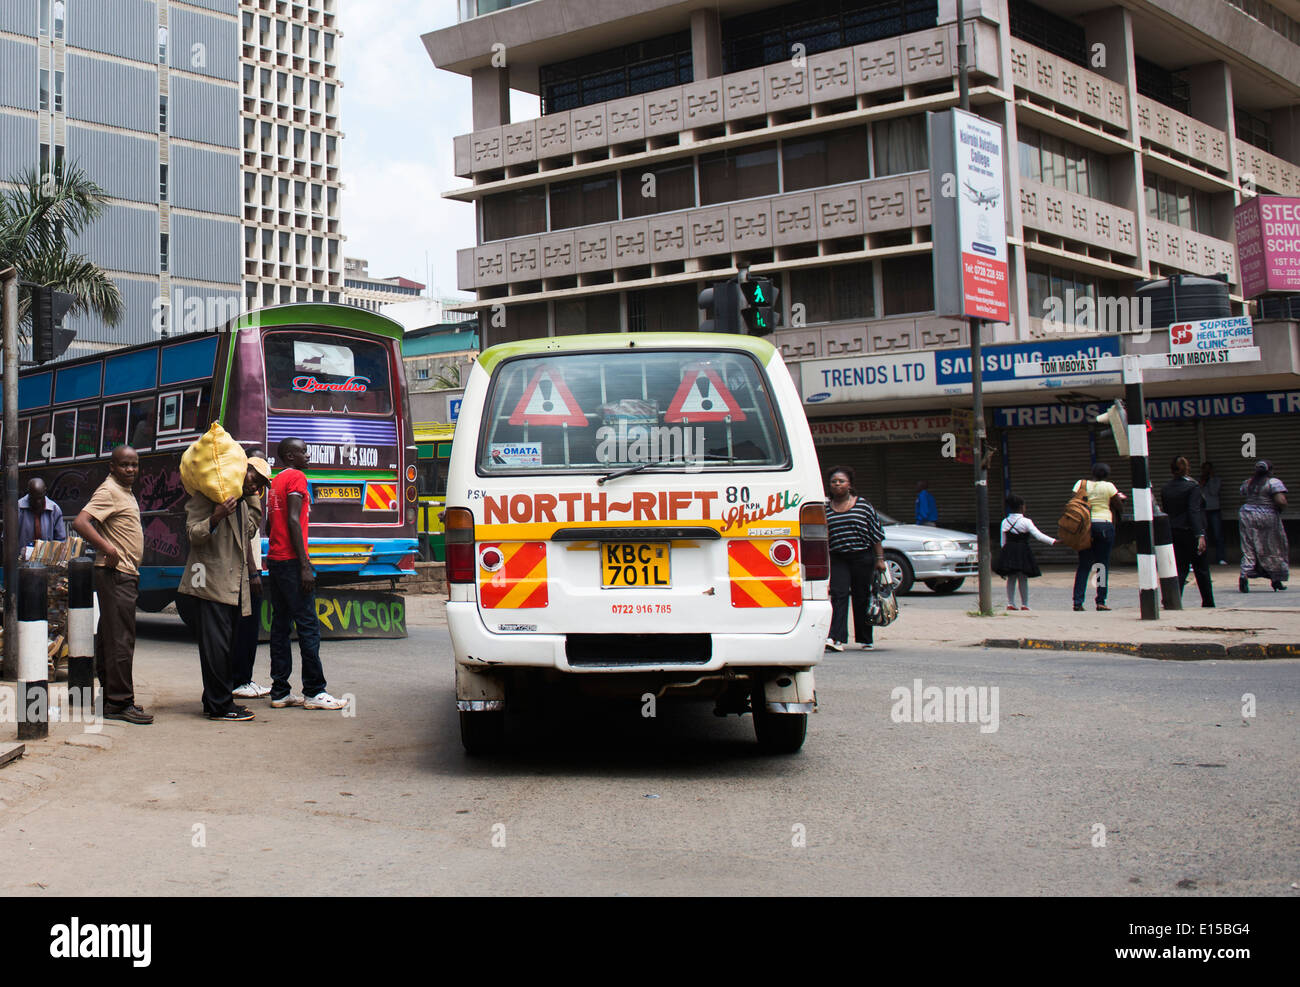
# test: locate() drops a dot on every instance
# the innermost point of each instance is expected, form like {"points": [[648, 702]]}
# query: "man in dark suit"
{"points": [[1182, 500]]}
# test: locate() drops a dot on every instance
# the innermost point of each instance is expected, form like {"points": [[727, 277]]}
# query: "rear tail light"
{"points": [[410, 474], [406, 563], [813, 547], [782, 553], [460, 545], [411, 494]]}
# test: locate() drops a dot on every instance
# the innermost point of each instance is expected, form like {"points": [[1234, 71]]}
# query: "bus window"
{"points": [[141, 429], [65, 431], [169, 412], [87, 431], [314, 372], [114, 427], [36, 442], [195, 410], [23, 423]]}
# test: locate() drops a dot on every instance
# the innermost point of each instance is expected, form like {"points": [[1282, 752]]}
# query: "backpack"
{"points": [[1075, 526]]}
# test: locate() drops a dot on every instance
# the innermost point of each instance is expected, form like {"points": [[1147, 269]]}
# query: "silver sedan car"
{"points": [[939, 557]]}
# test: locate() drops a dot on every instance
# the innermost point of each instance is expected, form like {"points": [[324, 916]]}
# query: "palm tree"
{"points": [[37, 218], [448, 377]]}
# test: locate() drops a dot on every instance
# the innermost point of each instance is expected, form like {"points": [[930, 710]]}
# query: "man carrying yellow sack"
{"points": [[217, 575]]}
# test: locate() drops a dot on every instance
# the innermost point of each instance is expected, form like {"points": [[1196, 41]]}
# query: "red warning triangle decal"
{"points": [[547, 401], [702, 397]]}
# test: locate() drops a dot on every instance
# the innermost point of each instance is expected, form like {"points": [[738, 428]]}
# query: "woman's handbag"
{"points": [[883, 608]]}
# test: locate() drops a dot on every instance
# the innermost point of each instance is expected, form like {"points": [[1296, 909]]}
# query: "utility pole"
{"points": [[976, 381], [9, 282]]}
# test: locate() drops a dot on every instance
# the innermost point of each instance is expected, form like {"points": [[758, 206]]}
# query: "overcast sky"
{"points": [[399, 114]]}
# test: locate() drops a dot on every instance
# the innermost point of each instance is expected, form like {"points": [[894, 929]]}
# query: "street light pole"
{"points": [[9, 281], [976, 381]]}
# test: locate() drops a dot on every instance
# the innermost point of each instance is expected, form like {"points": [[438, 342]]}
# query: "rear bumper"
{"points": [[476, 646]]}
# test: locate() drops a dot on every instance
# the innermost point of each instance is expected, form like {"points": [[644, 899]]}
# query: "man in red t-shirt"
{"points": [[292, 586]]}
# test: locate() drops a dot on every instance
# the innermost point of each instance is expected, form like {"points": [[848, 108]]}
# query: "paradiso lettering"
{"points": [[641, 505], [311, 385]]}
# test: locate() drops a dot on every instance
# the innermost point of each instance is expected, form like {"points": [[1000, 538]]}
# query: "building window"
{"points": [[625, 71], [162, 183], [765, 37], [163, 252], [1063, 164], [510, 214], [58, 92], [45, 16], [824, 159], [422, 374], [596, 313], [834, 294], [1253, 129], [658, 188], [1030, 22], [742, 173], [45, 89], [1174, 202], [1162, 85], [162, 46], [1061, 295], [58, 18], [899, 145], [674, 308], [908, 284], [162, 117], [585, 201]]}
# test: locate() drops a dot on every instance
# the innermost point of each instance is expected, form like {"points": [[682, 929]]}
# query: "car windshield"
{"points": [[606, 411]]}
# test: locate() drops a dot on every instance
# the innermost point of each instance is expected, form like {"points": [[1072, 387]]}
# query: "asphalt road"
{"points": [[1193, 798]]}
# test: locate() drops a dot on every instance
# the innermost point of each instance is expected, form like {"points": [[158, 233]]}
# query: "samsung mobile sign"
{"points": [[969, 216]]}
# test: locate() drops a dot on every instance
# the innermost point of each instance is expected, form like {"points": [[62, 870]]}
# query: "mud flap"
{"points": [[479, 691], [790, 692]]}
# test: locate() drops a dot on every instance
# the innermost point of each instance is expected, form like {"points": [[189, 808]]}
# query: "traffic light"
{"points": [[1116, 416], [49, 338], [758, 310], [721, 305]]}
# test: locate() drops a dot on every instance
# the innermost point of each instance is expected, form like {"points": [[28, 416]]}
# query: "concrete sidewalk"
{"points": [[1255, 625]]}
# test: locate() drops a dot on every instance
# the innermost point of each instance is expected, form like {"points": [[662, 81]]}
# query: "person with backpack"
{"points": [[1100, 495], [1016, 562]]}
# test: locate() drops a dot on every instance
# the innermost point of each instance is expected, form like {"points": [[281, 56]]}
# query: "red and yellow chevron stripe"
{"points": [[380, 497], [520, 582], [757, 581]]}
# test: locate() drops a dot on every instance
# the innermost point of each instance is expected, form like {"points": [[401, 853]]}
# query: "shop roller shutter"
{"points": [[1046, 462], [1277, 439]]}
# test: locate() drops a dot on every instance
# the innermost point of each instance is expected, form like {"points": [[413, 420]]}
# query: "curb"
{"points": [[1167, 651]]}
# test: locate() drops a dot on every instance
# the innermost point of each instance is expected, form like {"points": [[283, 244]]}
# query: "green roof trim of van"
{"points": [[760, 348], [323, 314]]}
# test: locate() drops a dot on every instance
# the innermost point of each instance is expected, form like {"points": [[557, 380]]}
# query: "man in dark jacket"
{"points": [[1182, 500]]}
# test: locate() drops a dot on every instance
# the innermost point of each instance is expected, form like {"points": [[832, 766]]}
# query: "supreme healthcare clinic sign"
{"points": [[968, 204], [1268, 244], [1207, 335]]}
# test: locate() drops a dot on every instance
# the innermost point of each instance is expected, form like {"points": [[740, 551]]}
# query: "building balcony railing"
{"points": [[1186, 136], [889, 335], [1186, 250], [844, 73], [1076, 89], [856, 210], [1268, 172], [1079, 218]]}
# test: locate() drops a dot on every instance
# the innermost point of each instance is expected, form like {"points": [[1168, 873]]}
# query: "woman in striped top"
{"points": [[855, 537]]}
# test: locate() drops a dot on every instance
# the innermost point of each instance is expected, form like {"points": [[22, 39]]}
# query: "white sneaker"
{"points": [[323, 700], [292, 699], [251, 690], [834, 645]]}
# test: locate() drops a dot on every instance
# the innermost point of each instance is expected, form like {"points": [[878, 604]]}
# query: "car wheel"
{"points": [[483, 732], [944, 586], [900, 571], [778, 733]]}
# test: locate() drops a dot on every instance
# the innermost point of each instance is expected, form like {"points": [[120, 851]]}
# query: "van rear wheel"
{"points": [[778, 733], [483, 732]]}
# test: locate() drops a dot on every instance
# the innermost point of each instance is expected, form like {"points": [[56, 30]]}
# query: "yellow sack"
{"points": [[214, 466]]}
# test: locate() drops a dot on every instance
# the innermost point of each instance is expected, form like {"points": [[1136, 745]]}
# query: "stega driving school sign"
{"points": [[969, 216]]}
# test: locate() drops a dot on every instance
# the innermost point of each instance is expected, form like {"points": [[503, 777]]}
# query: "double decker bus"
{"points": [[329, 374]]}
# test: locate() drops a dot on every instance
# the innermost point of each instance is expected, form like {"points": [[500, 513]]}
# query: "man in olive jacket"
{"points": [[217, 575]]}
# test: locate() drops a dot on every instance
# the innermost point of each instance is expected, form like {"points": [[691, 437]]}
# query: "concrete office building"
{"points": [[363, 291], [289, 71], [679, 140], [144, 97]]}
